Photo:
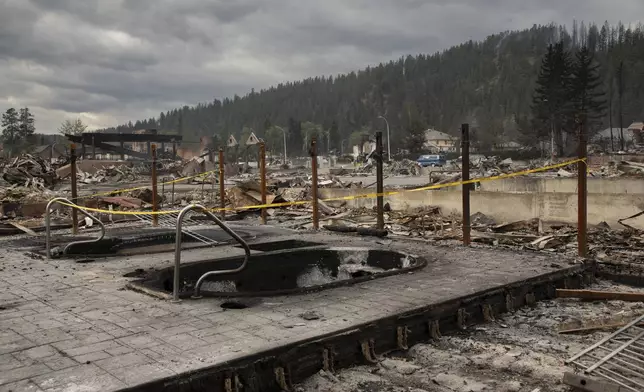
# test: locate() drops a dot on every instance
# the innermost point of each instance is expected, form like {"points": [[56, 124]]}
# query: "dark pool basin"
{"points": [[285, 272]]}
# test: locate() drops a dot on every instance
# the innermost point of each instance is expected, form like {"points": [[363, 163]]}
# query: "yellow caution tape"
{"points": [[342, 198]]}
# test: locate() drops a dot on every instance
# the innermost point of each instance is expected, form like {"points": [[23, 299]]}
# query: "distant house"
{"points": [[437, 141], [603, 138], [637, 129]]}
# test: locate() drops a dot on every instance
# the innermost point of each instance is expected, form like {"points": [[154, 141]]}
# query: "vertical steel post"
{"points": [[93, 148], [314, 185], [122, 150], [465, 153], [163, 180], [222, 191], [155, 207], [212, 187], [380, 225], [262, 175], [582, 206], [72, 153], [203, 178]]}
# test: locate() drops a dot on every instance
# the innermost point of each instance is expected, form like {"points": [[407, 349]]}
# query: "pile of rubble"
{"points": [[25, 194], [619, 169], [428, 223], [30, 171], [405, 167], [120, 174]]}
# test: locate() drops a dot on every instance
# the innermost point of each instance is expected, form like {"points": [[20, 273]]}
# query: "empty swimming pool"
{"points": [[285, 271]]}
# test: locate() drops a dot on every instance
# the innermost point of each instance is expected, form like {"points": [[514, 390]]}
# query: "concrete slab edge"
{"points": [[278, 368]]}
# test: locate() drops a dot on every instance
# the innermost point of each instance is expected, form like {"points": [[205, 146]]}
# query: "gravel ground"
{"points": [[518, 352]]}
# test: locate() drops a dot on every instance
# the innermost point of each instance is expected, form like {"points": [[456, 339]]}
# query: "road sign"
{"points": [[232, 142], [252, 139]]}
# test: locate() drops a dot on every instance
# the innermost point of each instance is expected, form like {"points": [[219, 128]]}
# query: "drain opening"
{"points": [[233, 305]]}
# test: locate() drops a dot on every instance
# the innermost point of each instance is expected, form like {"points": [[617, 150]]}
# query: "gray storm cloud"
{"points": [[118, 60]]}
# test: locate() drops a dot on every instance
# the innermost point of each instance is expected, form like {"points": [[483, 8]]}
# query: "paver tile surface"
{"points": [[70, 326]]}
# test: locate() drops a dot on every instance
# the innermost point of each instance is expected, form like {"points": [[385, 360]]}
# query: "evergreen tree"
{"points": [[588, 98], [334, 137], [415, 130], [27, 127], [10, 129], [295, 136], [551, 108]]}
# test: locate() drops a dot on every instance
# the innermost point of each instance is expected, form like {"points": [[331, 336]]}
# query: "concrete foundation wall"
{"points": [[628, 185], [508, 207]]}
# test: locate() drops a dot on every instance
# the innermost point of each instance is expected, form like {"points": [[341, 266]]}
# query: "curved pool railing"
{"points": [[65, 202], [177, 251]]}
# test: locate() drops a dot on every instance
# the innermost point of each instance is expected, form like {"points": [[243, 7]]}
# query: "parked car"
{"points": [[431, 160]]}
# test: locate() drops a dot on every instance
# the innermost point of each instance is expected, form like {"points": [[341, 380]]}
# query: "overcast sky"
{"points": [[111, 61]]}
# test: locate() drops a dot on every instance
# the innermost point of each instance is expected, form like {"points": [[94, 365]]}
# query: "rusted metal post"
{"points": [[262, 175], [212, 187], [203, 183], [314, 184], [163, 180], [72, 153], [122, 150], [582, 206], [155, 207], [380, 223], [222, 191], [93, 148], [203, 177], [465, 154]]}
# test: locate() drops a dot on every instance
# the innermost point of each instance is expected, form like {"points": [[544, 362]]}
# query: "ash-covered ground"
{"points": [[521, 351]]}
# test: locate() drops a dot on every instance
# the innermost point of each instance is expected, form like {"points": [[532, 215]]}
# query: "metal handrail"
{"points": [[177, 251], [73, 206]]}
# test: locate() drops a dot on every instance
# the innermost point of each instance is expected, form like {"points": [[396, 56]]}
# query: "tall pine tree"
{"points": [[334, 136], [551, 107], [588, 98], [27, 127], [10, 129]]}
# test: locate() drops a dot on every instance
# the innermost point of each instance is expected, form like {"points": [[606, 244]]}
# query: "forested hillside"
{"points": [[489, 84]]}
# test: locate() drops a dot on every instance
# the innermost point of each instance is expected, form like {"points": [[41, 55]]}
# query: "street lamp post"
{"points": [[388, 143], [284, 132]]}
